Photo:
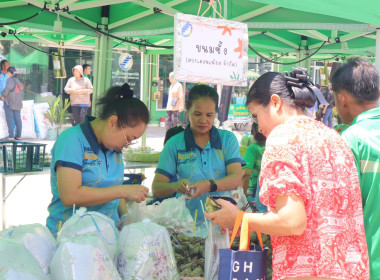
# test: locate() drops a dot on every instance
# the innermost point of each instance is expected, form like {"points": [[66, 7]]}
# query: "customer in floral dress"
{"points": [[309, 183]]}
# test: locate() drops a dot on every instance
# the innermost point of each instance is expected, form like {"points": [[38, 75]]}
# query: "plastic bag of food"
{"points": [[83, 257], [214, 241], [171, 213], [17, 263], [146, 252], [189, 253], [82, 223], [37, 239]]}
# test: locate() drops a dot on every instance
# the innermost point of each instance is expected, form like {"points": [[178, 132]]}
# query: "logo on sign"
{"points": [[125, 61], [187, 29]]}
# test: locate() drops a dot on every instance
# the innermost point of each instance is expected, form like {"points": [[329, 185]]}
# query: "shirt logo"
{"points": [[91, 156], [187, 156]]}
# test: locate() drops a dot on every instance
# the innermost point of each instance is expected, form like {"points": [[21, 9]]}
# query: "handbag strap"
{"points": [[238, 220], [245, 237]]}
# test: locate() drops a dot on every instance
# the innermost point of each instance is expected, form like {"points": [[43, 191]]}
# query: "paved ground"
{"points": [[28, 202]]}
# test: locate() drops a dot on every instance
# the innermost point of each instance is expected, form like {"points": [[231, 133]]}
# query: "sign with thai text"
{"points": [[210, 50], [238, 113]]}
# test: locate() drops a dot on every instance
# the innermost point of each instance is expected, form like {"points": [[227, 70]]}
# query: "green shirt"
{"points": [[88, 77], [363, 136], [252, 158]]}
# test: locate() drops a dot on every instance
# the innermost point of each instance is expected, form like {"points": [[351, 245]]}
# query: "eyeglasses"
{"points": [[255, 118], [127, 143]]}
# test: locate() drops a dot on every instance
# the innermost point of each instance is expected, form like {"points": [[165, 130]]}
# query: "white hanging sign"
{"points": [[210, 50]]}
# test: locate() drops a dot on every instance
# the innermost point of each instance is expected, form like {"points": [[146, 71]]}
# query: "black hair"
{"points": [[359, 78], [201, 91], [84, 66], [2, 63], [260, 138], [172, 131], [12, 70], [295, 90], [28, 82], [119, 101]]}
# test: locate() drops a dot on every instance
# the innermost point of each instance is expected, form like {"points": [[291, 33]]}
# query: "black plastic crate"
{"points": [[21, 156]]}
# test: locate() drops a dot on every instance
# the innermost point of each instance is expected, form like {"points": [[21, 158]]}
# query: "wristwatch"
{"points": [[214, 186]]}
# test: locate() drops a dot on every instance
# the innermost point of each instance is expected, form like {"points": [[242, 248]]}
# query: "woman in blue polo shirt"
{"points": [[87, 166], [203, 158]]}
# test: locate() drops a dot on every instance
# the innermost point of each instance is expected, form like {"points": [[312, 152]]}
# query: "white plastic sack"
{"points": [[17, 263], [39, 110], [83, 257], [37, 239], [82, 223], [171, 213], [146, 253], [3, 122], [214, 241], [27, 119], [28, 128]]}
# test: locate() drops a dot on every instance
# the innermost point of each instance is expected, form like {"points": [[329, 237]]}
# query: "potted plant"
{"points": [[51, 116], [63, 115], [57, 117]]}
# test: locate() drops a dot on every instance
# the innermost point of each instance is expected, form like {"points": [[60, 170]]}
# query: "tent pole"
{"points": [[145, 86], [102, 67], [377, 55]]}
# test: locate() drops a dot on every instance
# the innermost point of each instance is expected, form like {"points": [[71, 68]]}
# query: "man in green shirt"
{"points": [[252, 158], [356, 91], [87, 73]]}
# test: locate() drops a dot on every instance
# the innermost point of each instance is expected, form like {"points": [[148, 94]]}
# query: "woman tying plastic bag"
{"points": [[87, 167], [205, 159], [309, 184]]}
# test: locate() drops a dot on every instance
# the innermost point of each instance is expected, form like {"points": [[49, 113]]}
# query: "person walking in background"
{"points": [[4, 64], [312, 111], [87, 73], [175, 102], [356, 90], [80, 90], [328, 109], [12, 97]]}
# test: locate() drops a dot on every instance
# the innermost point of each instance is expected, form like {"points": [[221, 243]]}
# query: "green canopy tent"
{"points": [[276, 28]]}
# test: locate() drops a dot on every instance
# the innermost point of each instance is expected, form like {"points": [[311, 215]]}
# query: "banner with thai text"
{"points": [[210, 50]]}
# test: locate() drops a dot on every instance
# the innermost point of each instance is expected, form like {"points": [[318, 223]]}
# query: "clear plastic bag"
{"points": [[214, 241], [17, 263], [239, 197], [146, 252], [83, 257], [82, 223], [37, 239], [170, 213]]}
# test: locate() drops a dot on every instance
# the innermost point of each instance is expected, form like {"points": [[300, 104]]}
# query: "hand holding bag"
{"points": [[249, 262]]}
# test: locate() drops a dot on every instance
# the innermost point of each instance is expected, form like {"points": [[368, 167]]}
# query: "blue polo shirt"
{"points": [[183, 158], [3, 80], [78, 148]]}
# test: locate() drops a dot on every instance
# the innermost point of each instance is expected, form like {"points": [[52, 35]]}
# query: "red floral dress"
{"points": [[306, 158]]}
